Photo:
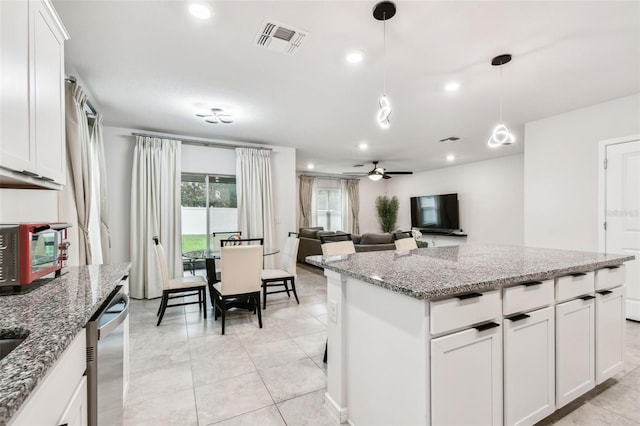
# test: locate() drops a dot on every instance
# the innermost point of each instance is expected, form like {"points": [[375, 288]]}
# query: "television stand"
{"points": [[453, 233], [442, 238]]}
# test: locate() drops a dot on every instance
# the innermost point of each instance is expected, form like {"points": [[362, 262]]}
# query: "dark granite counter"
{"points": [[428, 273], [52, 316]]}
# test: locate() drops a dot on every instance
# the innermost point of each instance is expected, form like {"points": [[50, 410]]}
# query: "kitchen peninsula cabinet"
{"points": [[434, 335], [32, 126], [61, 398]]}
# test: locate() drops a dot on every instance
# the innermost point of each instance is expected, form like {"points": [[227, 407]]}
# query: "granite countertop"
{"points": [[52, 316], [429, 273]]}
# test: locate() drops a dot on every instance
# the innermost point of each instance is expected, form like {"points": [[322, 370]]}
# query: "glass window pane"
{"points": [[192, 190], [322, 199], [222, 192], [334, 199]]}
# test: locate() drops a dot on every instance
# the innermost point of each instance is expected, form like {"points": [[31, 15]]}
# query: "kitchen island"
{"points": [[50, 318], [433, 335]]}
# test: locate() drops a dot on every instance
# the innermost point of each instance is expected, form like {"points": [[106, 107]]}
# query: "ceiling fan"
{"points": [[378, 173]]}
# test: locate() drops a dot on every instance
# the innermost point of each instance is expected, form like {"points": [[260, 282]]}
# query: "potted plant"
{"points": [[387, 212]]}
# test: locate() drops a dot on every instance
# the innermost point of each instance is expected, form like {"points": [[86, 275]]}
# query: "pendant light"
{"points": [[501, 134], [382, 12]]}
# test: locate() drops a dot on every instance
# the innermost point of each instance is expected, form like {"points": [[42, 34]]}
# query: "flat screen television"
{"points": [[435, 212]]}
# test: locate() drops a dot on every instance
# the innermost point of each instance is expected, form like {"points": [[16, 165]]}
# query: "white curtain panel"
{"points": [[350, 190], [75, 199], [307, 194], [97, 146], [255, 196], [155, 210]]}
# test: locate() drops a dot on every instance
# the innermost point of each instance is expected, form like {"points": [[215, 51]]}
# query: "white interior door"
{"points": [[622, 213]]}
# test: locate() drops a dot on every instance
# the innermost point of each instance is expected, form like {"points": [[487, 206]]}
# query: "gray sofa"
{"points": [[310, 241]]}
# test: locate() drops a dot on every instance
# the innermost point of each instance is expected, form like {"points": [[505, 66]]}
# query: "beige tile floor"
{"points": [[186, 373]]}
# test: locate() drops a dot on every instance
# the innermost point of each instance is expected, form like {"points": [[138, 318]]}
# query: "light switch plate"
{"points": [[333, 310]]}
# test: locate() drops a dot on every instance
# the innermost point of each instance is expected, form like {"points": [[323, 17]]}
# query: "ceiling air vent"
{"points": [[450, 139], [280, 38]]}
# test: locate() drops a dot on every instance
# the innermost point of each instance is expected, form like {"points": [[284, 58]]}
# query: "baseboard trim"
{"points": [[339, 414]]}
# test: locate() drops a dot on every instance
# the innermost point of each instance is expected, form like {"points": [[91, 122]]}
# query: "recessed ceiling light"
{"points": [[363, 146], [200, 10], [451, 157], [452, 86], [310, 166], [355, 57]]}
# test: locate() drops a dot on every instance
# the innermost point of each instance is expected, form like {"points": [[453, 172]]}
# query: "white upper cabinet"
{"points": [[32, 134]]}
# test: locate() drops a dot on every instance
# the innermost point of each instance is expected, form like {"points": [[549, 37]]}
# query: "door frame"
{"points": [[602, 185]]}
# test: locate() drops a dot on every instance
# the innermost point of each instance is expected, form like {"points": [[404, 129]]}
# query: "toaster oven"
{"points": [[30, 251]]}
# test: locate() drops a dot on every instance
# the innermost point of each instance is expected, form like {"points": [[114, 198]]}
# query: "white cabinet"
{"points": [[466, 377], [610, 321], [464, 310], [61, 394], [32, 128], [575, 349], [17, 150], [76, 412], [529, 367]]}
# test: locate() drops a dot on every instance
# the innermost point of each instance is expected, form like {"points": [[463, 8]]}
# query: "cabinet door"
{"points": [[17, 149], [76, 412], [575, 349], [610, 321], [466, 378], [47, 53], [529, 367]]}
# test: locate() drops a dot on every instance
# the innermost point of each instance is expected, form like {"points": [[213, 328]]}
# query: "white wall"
{"points": [[369, 191], [561, 172], [489, 193], [28, 205], [119, 144]]}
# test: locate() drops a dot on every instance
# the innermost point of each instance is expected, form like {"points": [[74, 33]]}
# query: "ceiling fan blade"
{"points": [[386, 176], [398, 173]]}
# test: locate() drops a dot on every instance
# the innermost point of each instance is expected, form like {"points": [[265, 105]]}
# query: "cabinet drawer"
{"points": [[527, 296], [464, 310], [609, 277], [574, 285]]}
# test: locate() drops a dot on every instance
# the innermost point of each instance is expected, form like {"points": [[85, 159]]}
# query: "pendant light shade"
{"points": [[501, 135], [382, 12], [385, 112]]}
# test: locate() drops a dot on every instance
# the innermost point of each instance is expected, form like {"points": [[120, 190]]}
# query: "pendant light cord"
{"points": [[384, 53], [500, 91]]}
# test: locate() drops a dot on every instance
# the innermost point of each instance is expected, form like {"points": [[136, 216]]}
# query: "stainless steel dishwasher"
{"points": [[105, 360]]}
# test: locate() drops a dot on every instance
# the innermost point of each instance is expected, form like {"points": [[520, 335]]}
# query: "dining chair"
{"points": [[242, 242], [335, 245], [404, 241], [285, 275], [178, 287], [240, 282], [223, 235]]}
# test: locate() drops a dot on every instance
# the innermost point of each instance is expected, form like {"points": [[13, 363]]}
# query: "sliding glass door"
{"points": [[209, 204]]}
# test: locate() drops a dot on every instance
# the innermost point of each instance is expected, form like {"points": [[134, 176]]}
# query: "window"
{"points": [[328, 206], [209, 204]]}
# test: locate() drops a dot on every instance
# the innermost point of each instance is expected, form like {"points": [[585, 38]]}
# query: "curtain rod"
{"points": [[88, 103], [196, 142], [330, 177]]}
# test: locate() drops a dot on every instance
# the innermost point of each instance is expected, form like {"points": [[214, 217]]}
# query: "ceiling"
{"points": [[151, 65]]}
